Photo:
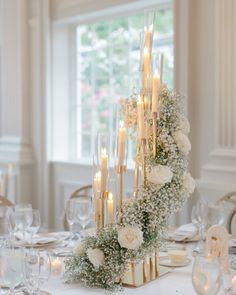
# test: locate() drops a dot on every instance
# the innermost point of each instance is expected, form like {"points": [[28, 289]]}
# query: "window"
{"points": [[105, 63]]}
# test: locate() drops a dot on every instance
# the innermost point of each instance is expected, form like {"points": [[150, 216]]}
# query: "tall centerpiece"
{"points": [[125, 247]]}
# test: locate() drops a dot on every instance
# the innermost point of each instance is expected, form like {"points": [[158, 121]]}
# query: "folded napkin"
{"points": [[37, 239], [184, 232]]}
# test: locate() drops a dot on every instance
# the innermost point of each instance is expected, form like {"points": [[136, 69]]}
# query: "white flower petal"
{"points": [[159, 175]]}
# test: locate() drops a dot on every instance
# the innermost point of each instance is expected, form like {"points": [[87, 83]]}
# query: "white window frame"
{"points": [[85, 19]]}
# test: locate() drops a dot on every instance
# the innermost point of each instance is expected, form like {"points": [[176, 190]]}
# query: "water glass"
{"points": [[206, 275], [11, 261], [36, 270]]}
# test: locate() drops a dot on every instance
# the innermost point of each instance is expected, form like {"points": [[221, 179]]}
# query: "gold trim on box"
{"points": [[142, 272]]}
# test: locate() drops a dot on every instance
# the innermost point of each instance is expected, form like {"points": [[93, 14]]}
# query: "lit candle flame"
{"points": [[104, 151], [110, 196], [145, 51]]}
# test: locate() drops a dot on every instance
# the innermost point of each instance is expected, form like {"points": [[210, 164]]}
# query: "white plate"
{"points": [[61, 235], [166, 262]]}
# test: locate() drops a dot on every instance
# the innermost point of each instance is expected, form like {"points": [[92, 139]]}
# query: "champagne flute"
{"points": [[36, 270], [206, 275], [11, 268]]}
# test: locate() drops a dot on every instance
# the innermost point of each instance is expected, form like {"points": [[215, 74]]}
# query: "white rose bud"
{"points": [[79, 249], [182, 142], [96, 257], [184, 125]]}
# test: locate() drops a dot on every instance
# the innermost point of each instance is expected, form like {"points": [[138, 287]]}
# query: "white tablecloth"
{"points": [[178, 282]]}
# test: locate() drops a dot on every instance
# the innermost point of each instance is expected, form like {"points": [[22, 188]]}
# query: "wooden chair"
{"points": [[229, 200], [85, 190], [5, 202]]}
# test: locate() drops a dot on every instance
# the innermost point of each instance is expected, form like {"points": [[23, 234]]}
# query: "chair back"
{"points": [[5, 202], [83, 191], [229, 201]]}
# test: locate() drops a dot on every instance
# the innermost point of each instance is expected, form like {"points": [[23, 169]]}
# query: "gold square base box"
{"points": [[142, 272]]}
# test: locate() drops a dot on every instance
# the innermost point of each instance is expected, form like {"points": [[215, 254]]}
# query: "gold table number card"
{"points": [[217, 241]]}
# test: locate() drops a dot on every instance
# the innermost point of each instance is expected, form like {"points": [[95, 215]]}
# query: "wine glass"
{"points": [[83, 207], [11, 268], [36, 270], [71, 216], [4, 233], [199, 219], [23, 216], [216, 214], [206, 275], [35, 225]]}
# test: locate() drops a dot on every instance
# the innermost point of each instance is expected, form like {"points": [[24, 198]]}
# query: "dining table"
{"points": [[175, 281]]}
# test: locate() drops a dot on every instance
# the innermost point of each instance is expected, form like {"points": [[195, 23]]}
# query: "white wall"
{"points": [[205, 74]]}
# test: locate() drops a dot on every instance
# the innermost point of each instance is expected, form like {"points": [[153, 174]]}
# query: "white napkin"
{"points": [[184, 232]]}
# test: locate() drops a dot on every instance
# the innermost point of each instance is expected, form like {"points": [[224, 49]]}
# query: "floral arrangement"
{"points": [[101, 260]]}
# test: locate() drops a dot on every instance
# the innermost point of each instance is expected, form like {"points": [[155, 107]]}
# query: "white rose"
{"points": [[182, 142], [130, 237], [184, 125], [79, 249], [188, 183], [159, 174], [96, 257]]}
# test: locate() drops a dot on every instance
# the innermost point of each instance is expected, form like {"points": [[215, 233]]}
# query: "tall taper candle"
{"points": [[121, 144], [110, 210], [146, 67], [148, 35], [104, 169], [155, 91]]}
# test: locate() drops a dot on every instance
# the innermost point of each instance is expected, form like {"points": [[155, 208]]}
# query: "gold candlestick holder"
{"points": [[120, 170], [100, 214], [143, 152], [154, 126], [136, 171]]}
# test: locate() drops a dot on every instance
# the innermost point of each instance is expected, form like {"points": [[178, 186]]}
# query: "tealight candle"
{"points": [[56, 265]]}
